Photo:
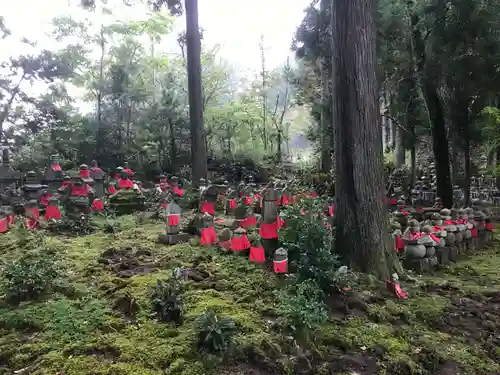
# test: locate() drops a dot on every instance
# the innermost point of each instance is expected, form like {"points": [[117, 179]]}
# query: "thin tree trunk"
{"points": [[198, 146], [362, 220]]}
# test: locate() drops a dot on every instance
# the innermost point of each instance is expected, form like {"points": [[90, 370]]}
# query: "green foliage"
{"points": [[309, 242], [490, 118], [166, 300], [74, 321], [31, 275], [215, 333], [111, 226], [302, 306]]}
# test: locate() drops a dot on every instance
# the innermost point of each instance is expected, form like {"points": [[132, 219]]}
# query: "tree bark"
{"points": [[361, 217], [400, 148], [325, 120], [436, 116], [198, 148]]}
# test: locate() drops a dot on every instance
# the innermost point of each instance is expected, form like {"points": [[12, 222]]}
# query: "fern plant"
{"points": [[166, 301], [215, 333]]}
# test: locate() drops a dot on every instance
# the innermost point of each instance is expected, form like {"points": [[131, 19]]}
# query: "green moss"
{"points": [[87, 330]]}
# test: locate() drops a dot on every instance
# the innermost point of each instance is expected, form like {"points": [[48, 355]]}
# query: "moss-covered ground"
{"points": [[102, 324]]}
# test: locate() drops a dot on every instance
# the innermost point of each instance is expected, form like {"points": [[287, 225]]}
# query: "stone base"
{"points": [[475, 243], [453, 253], [172, 239], [443, 255], [420, 265], [462, 248], [488, 237], [470, 245]]}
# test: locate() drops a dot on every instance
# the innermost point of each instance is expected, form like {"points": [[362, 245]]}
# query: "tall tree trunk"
{"points": [[264, 91], [198, 147], [325, 121], [467, 171], [362, 220], [436, 115], [100, 134], [173, 148], [454, 163], [400, 148]]}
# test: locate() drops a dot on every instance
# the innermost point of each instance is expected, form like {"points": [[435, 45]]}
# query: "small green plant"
{"points": [[215, 333], [79, 225], [302, 307], [310, 244], [111, 226], [166, 301], [31, 275]]}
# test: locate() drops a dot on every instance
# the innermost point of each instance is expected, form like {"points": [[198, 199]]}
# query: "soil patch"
{"points": [[477, 318], [128, 261]]}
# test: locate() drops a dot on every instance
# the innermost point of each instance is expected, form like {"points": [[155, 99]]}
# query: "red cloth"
{"points": [[433, 236], [415, 236], [474, 232], [269, 231], [111, 189], [80, 191], [56, 167], [96, 170], [125, 183], [489, 226], [396, 289], [173, 220], [250, 221], [225, 244], [52, 212], [313, 194], [285, 200], [128, 171], [281, 266], [399, 243], [257, 255], [97, 205], [11, 219], [331, 210], [240, 243], [45, 199], [278, 201], [232, 203], [449, 222], [4, 225], [256, 196], [208, 207], [208, 237], [178, 191], [31, 223], [84, 173], [248, 200]]}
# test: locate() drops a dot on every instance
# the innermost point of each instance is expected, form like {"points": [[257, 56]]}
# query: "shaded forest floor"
{"points": [[100, 322]]}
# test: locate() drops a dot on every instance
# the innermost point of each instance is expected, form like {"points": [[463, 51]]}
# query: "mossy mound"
{"points": [[127, 201], [101, 322]]}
